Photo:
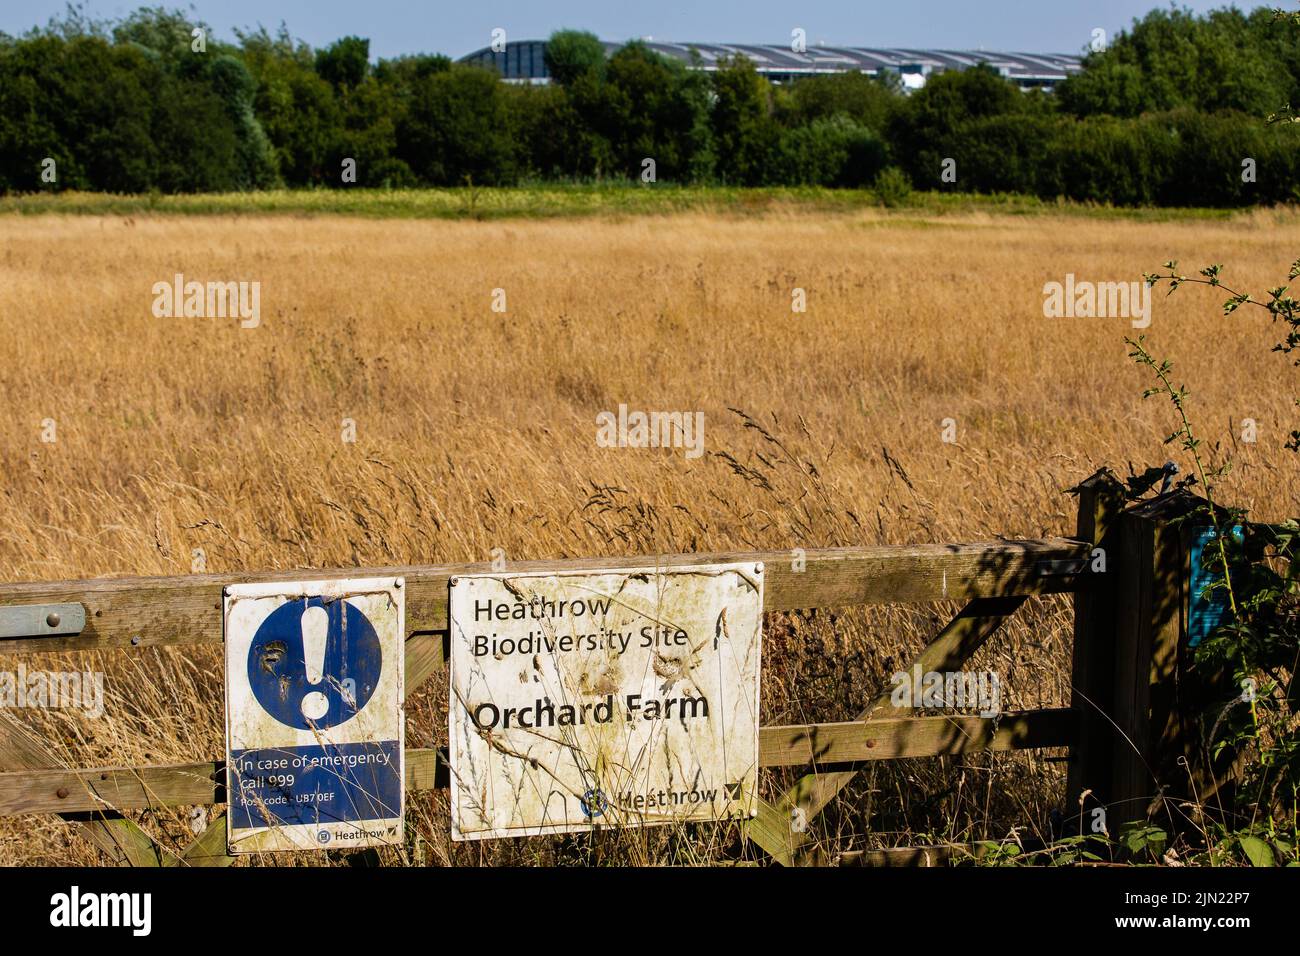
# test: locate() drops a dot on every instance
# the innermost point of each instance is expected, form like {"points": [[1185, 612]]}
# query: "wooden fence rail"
{"points": [[992, 580], [149, 612], [796, 745]]}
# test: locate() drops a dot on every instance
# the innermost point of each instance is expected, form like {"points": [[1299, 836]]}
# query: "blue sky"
{"points": [[457, 28]]}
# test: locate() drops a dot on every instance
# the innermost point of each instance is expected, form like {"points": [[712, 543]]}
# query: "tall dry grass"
{"points": [[476, 430]]}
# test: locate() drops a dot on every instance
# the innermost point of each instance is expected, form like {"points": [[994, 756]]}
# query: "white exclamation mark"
{"points": [[315, 630]]}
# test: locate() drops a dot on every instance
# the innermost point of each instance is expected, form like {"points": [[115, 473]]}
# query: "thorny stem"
{"points": [[1280, 306], [1190, 443]]}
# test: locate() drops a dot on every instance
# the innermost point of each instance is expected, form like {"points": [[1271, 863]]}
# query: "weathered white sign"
{"points": [[603, 698], [314, 714]]}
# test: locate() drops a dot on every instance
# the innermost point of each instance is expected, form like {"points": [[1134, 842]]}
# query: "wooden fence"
{"points": [[1126, 727]]}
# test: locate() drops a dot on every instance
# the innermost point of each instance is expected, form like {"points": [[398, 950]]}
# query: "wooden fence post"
{"points": [[1101, 502], [1161, 703]]}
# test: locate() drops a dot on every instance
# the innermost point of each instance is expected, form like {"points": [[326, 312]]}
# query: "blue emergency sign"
{"points": [[313, 665]]}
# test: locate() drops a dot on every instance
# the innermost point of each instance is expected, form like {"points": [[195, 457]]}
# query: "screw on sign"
{"points": [[314, 719]]}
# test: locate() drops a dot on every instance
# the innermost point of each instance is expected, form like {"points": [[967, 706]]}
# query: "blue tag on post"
{"points": [[1206, 610]]}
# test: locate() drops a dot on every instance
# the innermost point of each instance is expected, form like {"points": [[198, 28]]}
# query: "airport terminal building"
{"points": [[524, 61]]}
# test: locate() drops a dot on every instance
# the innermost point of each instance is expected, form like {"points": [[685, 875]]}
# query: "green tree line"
{"points": [[1168, 114]]}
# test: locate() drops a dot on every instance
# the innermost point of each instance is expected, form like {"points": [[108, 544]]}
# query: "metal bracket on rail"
{"points": [[41, 620], [1063, 568]]}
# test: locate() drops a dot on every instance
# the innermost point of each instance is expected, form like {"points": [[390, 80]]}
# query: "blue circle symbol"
{"points": [[336, 685]]}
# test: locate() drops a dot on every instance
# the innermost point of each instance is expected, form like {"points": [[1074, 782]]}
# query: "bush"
{"points": [[999, 153], [1107, 160], [892, 187], [830, 152]]}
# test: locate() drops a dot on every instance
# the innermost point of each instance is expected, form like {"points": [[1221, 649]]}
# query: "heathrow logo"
{"points": [[594, 803]]}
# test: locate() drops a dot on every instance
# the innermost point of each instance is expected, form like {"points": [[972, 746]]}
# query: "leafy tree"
{"points": [[571, 54], [1172, 59], [199, 148], [1106, 86], [555, 130], [29, 130], [867, 100], [1157, 118], [744, 132], [168, 37], [456, 128], [296, 107], [401, 71], [234, 85], [927, 129], [652, 113], [1004, 153], [344, 63], [371, 115], [111, 116], [832, 151]]}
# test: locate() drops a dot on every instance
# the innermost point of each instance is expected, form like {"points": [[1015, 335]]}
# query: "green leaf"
{"points": [[1259, 852]]}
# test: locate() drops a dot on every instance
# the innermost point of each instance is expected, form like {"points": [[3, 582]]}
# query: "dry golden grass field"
{"points": [[476, 430]]}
